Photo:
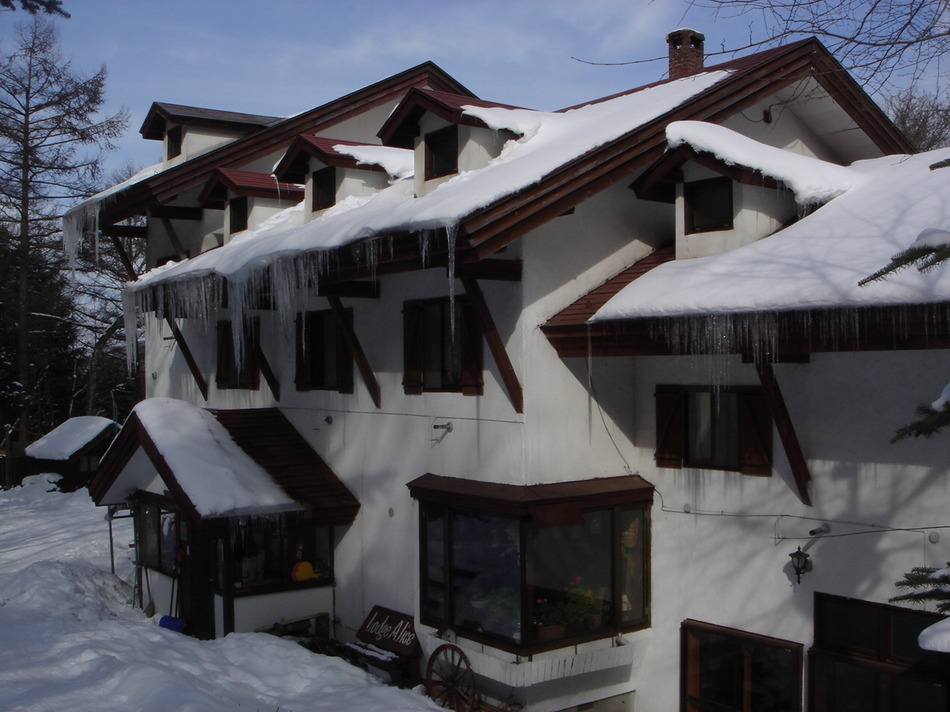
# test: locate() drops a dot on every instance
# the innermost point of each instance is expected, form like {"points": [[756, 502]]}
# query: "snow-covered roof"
{"points": [[217, 476], [67, 438], [810, 179], [547, 141], [817, 262]]}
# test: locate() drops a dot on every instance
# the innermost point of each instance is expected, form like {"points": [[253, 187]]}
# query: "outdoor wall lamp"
{"points": [[801, 563]]}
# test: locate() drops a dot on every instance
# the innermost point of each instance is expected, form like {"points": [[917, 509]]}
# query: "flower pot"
{"points": [[551, 632]]}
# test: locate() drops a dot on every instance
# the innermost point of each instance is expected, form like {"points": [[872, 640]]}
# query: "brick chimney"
{"points": [[686, 52]]}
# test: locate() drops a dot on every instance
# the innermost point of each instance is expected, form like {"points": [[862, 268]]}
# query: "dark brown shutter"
{"points": [[344, 358], [302, 371], [472, 380], [670, 426], [412, 347], [249, 371], [755, 433]]}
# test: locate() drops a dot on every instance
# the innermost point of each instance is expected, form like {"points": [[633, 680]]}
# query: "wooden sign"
{"points": [[389, 630]]}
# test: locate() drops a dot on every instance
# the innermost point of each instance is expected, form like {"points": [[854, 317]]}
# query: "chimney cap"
{"points": [[684, 32]]}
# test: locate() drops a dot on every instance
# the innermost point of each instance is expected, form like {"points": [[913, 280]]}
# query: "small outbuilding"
{"points": [[72, 449]]}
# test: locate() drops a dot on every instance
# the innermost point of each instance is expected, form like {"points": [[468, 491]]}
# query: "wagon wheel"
{"points": [[450, 680]]}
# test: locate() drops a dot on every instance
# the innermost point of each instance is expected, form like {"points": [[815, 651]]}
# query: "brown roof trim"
{"points": [[402, 126], [797, 333], [519, 500], [249, 184], [163, 186], [160, 113], [293, 165], [580, 311]]}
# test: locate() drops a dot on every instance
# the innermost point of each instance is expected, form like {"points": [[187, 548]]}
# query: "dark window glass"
{"points": [[173, 142], [521, 584], [324, 188], [238, 211], [157, 530], [442, 152], [230, 373], [713, 426], [277, 558], [734, 671], [324, 361], [708, 205]]}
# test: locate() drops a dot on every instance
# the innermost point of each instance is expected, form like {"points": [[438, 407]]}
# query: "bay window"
{"points": [[537, 566]]}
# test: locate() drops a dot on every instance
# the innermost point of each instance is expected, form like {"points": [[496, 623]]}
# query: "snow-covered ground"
{"points": [[70, 640]]}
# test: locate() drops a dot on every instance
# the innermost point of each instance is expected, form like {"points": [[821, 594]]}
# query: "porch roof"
{"points": [[220, 464]]}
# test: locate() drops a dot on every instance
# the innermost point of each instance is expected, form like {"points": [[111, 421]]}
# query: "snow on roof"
{"points": [[811, 179], [67, 438], [397, 162], [547, 141], [84, 217], [217, 476], [817, 262]]}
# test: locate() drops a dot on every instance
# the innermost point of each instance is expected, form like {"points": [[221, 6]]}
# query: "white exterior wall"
{"points": [[196, 140]]}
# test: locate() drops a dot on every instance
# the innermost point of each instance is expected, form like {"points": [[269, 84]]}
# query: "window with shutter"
{"points": [[324, 188], [724, 428], [442, 152], [442, 352], [324, 361]]}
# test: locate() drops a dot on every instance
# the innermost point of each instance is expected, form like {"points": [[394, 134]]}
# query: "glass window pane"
{"points": [[148, 536], [168, 540], [699, 417], [849, 625], [486, 574], [569, 577], [632, 566], [726, 418], [434, 584], [908, 693]]}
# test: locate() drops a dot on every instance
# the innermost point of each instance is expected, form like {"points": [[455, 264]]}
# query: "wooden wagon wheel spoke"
{"points": [[450, 680]]}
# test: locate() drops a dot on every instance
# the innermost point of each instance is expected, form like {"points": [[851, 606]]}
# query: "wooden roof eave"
{"points": [[402, 124], [799, 333]]}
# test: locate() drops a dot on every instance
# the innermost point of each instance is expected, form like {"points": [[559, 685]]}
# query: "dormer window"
{"points": [[173, 142], [708, 205], [237, 210], [324, 188], [442, 152]]}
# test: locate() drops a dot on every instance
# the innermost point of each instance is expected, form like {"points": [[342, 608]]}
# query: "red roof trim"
{"points": [[250, 184], [305, 146]]}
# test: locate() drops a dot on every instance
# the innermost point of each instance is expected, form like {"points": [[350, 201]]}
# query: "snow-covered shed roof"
{"points": [[69, 437], [220, 464]]}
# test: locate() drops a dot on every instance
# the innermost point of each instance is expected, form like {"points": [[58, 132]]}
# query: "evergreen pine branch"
{"points": [[927, 425]]}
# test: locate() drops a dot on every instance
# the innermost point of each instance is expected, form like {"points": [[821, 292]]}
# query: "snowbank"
{"points": [[71, 641]]}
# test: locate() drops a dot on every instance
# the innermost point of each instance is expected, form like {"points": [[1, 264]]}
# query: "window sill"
{"points": [[524, 670], [259, 589]]}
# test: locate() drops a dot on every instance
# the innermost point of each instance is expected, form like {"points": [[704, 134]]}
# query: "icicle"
{"points": [[131, 328], [82, 219], [451, 234]]}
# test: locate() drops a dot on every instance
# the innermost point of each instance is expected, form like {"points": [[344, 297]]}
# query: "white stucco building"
{"points": [[566, 387]]}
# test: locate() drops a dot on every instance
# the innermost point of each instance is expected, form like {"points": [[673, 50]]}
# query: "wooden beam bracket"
{"points": [[497, 347], [356, 350], [786, 429], [189, 357]]}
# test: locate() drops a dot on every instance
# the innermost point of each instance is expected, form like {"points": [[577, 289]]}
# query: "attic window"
{"points": [[173, 142], [708, 205], [442, 152], [237, 207], [324, 189]]}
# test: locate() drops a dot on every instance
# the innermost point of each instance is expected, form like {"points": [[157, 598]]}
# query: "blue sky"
{"points": [[279, 57]]}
